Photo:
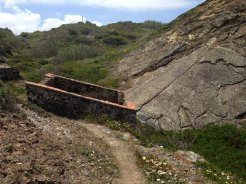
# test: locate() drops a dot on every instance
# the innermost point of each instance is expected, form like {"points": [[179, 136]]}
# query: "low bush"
{"points": [[115, 40], [78, 52], [222, 145], [89, 72]]}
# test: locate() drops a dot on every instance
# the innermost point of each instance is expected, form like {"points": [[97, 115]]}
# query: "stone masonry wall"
{"points": [[9, 73], [73, 105], [84, 89]]}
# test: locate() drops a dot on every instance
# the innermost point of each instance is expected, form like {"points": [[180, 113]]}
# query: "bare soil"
{"points": [[52, 150]]}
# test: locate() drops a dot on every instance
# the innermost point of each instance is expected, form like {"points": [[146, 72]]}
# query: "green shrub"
{"points": [[45, 48], [33, 76], [115, 40], [83, 40], [222, 145], [130, 37], [86, 31], [89, 72], [78, 52], [101, 35], [72, 32]]}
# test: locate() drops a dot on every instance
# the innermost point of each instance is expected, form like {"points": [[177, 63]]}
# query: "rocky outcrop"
{"points": [[194, 73], [8, 73]]}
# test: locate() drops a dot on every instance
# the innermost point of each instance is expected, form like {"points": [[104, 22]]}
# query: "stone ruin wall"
{"points": [[74, 105], [84, 89], [9, 73]]}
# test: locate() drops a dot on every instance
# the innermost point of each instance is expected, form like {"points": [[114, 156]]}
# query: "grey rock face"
{"points": [[194, 73]]}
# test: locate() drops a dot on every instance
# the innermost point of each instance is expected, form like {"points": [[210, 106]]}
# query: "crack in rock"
{"points": [[157, 94]]}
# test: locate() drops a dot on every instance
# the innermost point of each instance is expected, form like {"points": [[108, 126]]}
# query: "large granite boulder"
{"points": [[194, 73]]}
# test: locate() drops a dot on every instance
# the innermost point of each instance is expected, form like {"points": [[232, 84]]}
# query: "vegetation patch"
{"points": [[103, 162], [11, 93], [215, 174], [158, 171], [224, 146], [82, 51]]}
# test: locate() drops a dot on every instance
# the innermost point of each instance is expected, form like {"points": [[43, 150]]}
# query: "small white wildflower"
{"points": [[144, 158]]}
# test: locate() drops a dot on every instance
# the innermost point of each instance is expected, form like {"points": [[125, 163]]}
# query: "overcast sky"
{"points": [[31, 15]]}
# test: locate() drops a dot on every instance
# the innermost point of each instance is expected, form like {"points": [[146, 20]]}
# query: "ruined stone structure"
{"points": [[84, 89], [75, 99], [8, 73]]}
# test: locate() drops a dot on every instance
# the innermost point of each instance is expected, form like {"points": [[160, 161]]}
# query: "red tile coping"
{"points": [[51, 75], [130, 107]]}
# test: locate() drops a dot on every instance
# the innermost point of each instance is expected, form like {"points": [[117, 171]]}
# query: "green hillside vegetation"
{"points": [[8, 42], [82, 51]]}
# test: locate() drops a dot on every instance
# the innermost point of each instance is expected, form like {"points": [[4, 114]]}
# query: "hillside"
{"points": [[82, 51], [187, 78], [194, 72]]}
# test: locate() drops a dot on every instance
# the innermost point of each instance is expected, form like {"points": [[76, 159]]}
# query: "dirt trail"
{"points": [[130, 173]]}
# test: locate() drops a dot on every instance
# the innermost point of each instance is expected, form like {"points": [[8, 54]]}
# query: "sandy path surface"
{"points": [[124, 153]]}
